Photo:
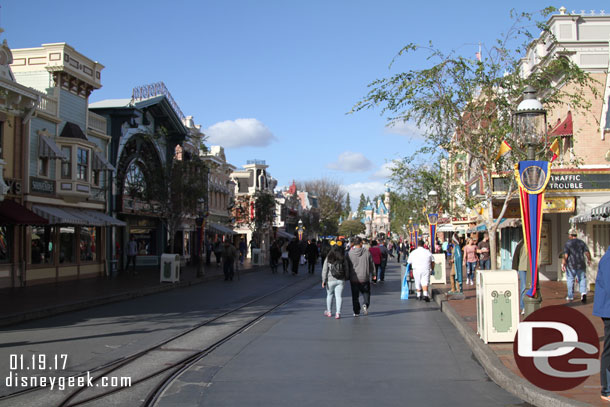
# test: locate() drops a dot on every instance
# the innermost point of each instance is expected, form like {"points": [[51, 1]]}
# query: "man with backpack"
{"points": [[361, 269]]}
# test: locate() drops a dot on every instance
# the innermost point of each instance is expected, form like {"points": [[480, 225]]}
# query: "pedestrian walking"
{"points": [[456, 260], [522, 265], [294, 253], [218, 249], [243, 247], [311, 253], [601, 308], [484, 253], [376, 255], [422, 262], [285, 258], [208, 252], [470, 257], [228, 254], [574, 265], [335, 271], [274, 256], [385, 253], [361, 269], [132, 252]]}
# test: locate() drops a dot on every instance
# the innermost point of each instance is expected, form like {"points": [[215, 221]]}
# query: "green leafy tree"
{"points": [[348, 207], [464, 106], [361, 205], [351, 228]]}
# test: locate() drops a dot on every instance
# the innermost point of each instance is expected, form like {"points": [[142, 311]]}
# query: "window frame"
{"points": [[80, 166], [66, 164]]}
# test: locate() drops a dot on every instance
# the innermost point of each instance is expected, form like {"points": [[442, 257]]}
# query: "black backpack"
{"points": [[337, 270]]}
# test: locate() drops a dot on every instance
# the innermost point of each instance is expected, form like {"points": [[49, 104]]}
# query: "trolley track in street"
{"points": [[165, 360]]}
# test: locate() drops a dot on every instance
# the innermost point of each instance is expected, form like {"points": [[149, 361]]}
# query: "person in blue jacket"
{"points": [[601, 308]]}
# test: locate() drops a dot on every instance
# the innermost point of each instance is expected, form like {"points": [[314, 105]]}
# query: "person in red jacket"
{"points": [[376, 255]]}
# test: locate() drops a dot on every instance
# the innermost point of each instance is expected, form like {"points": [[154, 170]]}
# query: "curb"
{"points": [[94, 302], [494, 367]]}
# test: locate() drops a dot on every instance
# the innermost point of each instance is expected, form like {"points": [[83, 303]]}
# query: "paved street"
{"points": [[403, 352]]}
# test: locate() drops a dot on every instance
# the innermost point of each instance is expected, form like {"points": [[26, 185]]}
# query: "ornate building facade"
{"points": [[377, 217]]}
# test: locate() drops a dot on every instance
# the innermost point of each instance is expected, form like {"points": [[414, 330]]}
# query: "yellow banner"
{"points": [[559, 204]]}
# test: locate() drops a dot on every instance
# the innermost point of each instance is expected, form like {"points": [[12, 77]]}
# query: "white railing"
{"points": [[97, 122], [48, 106]]}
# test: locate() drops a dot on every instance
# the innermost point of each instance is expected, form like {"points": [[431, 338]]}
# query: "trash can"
{"points": [[170, 267], [497, 305], [256, 257]]}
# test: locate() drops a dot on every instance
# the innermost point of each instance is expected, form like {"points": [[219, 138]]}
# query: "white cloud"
{"points": [[384, 172], [240, 133], [351, 162], [370, 189], [403, 128]]}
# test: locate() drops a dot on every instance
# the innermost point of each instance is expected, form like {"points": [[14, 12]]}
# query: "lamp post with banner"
{"points": [[300, 228], [432, 216], [529, 123]]}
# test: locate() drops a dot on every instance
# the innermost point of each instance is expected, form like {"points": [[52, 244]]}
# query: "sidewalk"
{"points": [[497, 358], [39, 301]]}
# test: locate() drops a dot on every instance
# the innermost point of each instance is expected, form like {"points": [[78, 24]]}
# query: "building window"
{"points": [[82, 164], [66, 165], [146, 239], [135, 184], [5, 244], [96, 178], [43, 166], [601, 239], [67, 244], [42, 245], [89, 247]]}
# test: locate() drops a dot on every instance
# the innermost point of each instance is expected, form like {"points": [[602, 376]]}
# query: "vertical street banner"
{"points": [[532, 177], [432, 221]]}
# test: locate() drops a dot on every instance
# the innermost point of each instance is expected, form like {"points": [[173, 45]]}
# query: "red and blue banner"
{"points": [[432, 221], [532, 177]]}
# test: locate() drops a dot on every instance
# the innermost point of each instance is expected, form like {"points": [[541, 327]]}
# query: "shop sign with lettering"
{"points": [[42, 186], [579, 181]]}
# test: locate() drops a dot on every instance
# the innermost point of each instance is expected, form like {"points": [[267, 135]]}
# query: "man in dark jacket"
{"points": [[384, 260], [601, 308], [229, 254], [294, 252], [311, 253], [360, 275]]}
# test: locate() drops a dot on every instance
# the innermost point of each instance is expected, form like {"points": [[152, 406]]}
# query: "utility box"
{"points": [[170, 268], [497, 305], [440, 274], [256, 257]]}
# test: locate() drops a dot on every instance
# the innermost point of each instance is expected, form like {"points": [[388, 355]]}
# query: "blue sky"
{"points": [[271, 80]]}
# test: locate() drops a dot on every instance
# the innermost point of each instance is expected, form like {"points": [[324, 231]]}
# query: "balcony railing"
{"points": [[97, 122], [48, 106]]}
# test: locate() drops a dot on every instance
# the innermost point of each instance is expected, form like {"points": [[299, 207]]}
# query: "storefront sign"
{"points": [[42, 186], [579, 181], [512, 211], [559, 204]]}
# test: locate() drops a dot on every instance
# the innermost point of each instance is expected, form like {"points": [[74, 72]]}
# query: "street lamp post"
{"points": [[532, 177]]}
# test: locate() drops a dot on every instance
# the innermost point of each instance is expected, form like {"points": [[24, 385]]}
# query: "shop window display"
{"points": [[89, 243], [67, 241], [42, 245], [5, 244]]}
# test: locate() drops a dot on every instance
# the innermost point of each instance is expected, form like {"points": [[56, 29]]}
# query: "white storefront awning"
{"points": [[220, 229], [447, 227], [284, 234], [73, 216]]}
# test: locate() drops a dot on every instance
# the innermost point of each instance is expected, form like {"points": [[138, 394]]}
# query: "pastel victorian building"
{"points": [[66, 171]]}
